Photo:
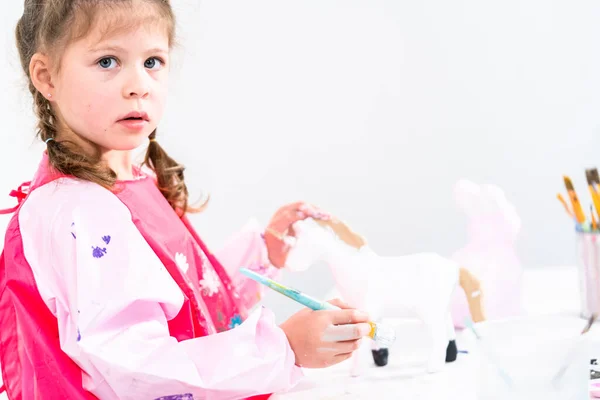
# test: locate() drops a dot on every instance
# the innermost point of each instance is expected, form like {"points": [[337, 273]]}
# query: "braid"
{"points": [[45, 114], [169, 175]]}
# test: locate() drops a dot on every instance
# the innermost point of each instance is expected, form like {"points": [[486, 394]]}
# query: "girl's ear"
{"points": [[39, 72]]}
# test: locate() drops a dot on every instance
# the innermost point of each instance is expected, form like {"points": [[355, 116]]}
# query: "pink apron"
{"points": [[33, 364]]}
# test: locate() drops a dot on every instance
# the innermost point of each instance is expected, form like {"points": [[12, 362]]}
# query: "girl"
{"points": [[105, 289]]}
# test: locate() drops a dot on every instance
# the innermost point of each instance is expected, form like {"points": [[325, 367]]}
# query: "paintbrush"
{"points": [[382, 334], [565, 205], [591, 176], [576, 205]]}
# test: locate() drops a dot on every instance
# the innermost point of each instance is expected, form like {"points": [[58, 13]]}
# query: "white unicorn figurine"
{"points": [[415, 286]]}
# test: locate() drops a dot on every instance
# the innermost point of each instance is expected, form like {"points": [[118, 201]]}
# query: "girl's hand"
{"points": [[321, 339], [279, 233]]}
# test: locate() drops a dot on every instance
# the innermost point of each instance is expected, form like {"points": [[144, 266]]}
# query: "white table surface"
{"points": [[552, 290]]}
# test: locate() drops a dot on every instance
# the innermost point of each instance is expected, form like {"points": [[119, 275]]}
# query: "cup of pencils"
{"points": [[587, 232]]}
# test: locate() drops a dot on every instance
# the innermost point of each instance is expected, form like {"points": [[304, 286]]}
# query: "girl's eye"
{"points": [[107, 62], [153, 63]]}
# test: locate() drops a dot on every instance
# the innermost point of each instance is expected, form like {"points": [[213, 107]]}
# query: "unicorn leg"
{"points": [[360, 359], [451, 350], [380, 355], [439, 344]]}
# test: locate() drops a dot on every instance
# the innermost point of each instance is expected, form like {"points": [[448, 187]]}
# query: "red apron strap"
{"points": [[20, 194]]}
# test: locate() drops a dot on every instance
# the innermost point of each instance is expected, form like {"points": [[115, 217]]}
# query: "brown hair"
{"points": [[48, 26]]}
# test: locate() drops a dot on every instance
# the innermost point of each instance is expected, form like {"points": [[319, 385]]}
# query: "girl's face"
{"points": [[111, 87]]}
